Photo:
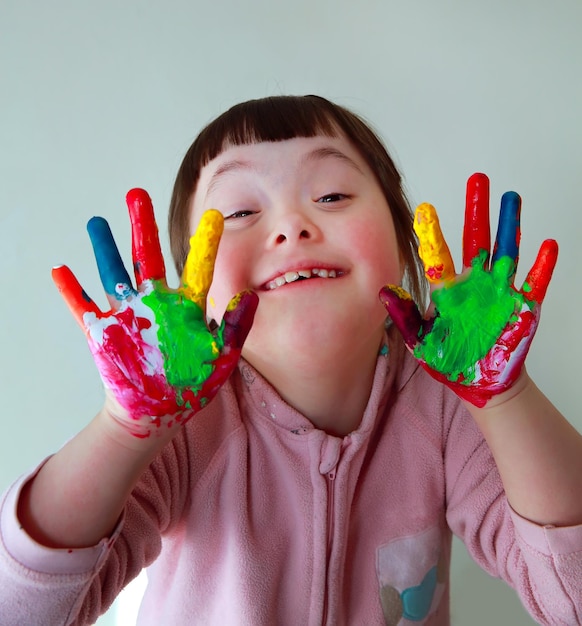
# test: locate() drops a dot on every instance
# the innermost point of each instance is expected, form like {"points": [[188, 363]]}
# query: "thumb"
{"points": [[405, 314], [238, 319], [236, 324]]}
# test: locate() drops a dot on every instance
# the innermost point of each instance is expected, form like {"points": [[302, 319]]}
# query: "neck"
{"points": [[331, 392]]}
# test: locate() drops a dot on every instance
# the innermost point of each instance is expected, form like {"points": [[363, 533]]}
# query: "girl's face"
{"points": [[307, 227]]}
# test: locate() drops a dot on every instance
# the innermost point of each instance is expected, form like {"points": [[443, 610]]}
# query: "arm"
{"points": [[538, 454], [154, 380], [70, 502], [74, 585], [476, 341], [542, 563]]}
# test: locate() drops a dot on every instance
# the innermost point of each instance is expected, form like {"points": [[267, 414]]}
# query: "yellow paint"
{"points": [[433, 249], [234, 302], [197, 274], [401, 293]]}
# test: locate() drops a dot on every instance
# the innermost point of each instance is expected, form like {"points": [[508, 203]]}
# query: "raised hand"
{"points": [[153, 349], [479, 330]]}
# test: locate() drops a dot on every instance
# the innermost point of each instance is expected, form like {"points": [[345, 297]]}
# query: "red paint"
{"points": [[541, 272], [435, 272], [148, 261], [476, 233]]}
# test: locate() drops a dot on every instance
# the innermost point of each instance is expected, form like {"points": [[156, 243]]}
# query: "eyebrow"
{"points": [[225, 168], [328, 152], [319, 154]]}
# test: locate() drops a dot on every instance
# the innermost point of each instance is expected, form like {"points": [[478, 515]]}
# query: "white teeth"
{"points": [[292, 276]]}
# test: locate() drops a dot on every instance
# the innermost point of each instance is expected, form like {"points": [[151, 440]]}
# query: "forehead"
{"points": [[268, 158]]}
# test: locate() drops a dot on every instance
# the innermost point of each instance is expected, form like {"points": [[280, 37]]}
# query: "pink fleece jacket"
{"points": [[253, 516]]}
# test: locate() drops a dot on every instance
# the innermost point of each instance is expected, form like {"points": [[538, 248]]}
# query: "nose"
{"points": [[293, 227]]}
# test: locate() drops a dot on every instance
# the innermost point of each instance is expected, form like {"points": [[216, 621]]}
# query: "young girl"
{"points": [[316, 479]]}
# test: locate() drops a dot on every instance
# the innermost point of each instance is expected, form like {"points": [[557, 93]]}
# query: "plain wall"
{"points": [[96, 98]]}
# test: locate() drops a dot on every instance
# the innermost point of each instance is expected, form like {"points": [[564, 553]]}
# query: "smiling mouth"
{"points": [[306, 274]]}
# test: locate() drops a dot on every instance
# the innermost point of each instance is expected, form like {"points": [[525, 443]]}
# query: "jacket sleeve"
{"points": [[543, 564], [40, 585]]}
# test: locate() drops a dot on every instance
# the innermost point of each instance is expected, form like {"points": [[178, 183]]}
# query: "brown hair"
{"points": [[285, 117]]}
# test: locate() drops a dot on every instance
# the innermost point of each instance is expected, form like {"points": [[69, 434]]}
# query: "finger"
{"points": [[537, 281], [238, 319], [73, 294], [404, 313], [148, 262], [477, 231], [508, 235], [236, 324], [112, 272], [199, 267], [433, 249]]}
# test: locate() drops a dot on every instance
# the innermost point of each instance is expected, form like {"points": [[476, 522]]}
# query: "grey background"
{"points": [[96, 98]]}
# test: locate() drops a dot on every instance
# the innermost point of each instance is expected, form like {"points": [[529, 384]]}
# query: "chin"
{"points": [[311, 343]]}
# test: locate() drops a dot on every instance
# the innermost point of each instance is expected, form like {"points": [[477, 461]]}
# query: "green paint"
{"points": [[471, 316], [189, 348]]}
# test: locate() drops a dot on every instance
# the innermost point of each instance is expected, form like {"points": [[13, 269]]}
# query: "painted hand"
{"points": [[480, 326], [153, 349]]}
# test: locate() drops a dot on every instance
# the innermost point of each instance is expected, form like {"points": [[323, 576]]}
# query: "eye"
{"points": [[239, 214], [332, 197]]}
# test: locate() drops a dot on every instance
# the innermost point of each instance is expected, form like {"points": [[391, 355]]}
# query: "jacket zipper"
{"points": [[330, 529]]}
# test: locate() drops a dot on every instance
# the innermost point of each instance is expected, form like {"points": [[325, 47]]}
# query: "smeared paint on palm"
{"points": [[153, 349], [481, 327]]}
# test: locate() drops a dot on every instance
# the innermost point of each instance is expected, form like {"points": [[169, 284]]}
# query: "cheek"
{"points": [[374, 242]]}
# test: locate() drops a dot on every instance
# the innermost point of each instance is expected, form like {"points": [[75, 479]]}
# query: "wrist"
{"points": [[117, 430], [499, 403]]}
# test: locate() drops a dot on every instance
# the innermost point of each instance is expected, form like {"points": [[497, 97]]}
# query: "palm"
{"points": [[153, 349], [480, 330]]}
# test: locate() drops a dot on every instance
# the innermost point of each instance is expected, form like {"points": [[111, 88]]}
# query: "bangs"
{"points": [[269, 119]]}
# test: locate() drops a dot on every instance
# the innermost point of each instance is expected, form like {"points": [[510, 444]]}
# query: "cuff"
{"points": [[550, 540]]}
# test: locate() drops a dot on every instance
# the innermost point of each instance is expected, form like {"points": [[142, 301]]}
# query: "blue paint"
{"points": [[418, 600], [508, 230], [112, 272]]}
